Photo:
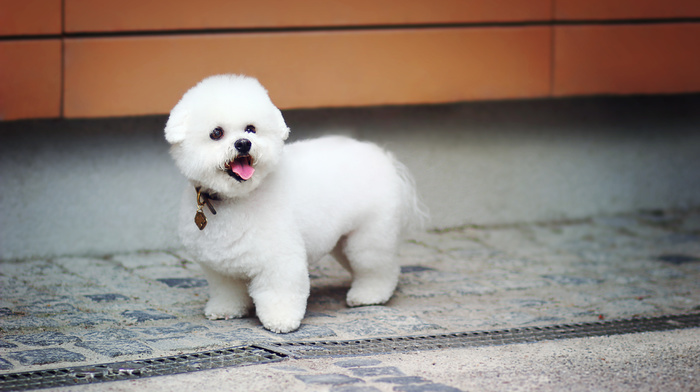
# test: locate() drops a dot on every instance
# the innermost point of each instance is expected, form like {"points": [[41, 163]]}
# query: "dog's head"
{"points": [[226, 135]]}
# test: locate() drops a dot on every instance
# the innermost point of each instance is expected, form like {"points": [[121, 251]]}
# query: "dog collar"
{"points": [[203, 198]]}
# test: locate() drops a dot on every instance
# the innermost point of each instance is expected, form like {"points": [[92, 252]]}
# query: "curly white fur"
{"points": [[331, 195]]}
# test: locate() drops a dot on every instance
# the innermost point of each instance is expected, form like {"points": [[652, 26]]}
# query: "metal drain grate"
{"points": [[236, 356], [483, 338], [272, 352]]}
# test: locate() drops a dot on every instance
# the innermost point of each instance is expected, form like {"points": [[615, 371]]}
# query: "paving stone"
{"points": [[627, 292], [509, 281], [363, 328], [520, 318], [517, 240], [180, 343], [468, 287], [678, 259], [108, 274], [406, 323], [402, 380], [88, 267], [371, 310], [426, 388], [146, 315], [28, 323], [107, 297], [4, 344], [309, 331], [667, 273], [376, 371], [110, 334], [31, 269], [49, 308], [60, 283], [146, 259], [465, 255], [178, 328], [239, 336], [46, 356], [5, 364], [184, 283], [415, 291], [572, 280], [528, 302], [627, 307], [502, 262], [167, 272], [409, 269], [328, 379], [691, 223], [617, 221], [44, 339], [85, 320], [116, 348], [354, 388], [353, 363], [442, 277], [291, 369], [311, 314]]}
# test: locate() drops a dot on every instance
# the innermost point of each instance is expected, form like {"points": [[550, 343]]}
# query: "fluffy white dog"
{"points": [[262, 210]]}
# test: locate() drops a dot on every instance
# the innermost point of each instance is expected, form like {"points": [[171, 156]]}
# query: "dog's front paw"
{"points": [[281, 325], [280, 313], [217, 309]]}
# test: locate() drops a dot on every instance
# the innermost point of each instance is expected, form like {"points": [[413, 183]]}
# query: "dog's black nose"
{"points": [[242, 145]]}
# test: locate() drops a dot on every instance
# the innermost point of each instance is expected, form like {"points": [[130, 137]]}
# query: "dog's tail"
{"points": [[414, 214]]}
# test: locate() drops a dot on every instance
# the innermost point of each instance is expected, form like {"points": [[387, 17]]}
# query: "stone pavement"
{"points": [[69, 311]]}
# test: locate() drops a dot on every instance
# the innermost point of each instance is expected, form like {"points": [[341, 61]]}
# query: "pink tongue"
{"points": [[242, 168]]}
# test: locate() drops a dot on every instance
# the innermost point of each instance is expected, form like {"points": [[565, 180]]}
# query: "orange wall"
{"points": [[30, 17], [625, 9], [627, 59], [30, 79], [86, 58], [30, 69], [311, 69]]}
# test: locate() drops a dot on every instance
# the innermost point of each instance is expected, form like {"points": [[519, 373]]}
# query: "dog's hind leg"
{"points": [[228, 296], [370, 252]]}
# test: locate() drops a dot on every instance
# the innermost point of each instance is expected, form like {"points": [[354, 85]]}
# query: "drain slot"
{"points": [[484, 338], [129, 370], [273, 352]]}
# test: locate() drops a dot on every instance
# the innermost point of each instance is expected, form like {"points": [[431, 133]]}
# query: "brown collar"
{"points": [[203, 198]]}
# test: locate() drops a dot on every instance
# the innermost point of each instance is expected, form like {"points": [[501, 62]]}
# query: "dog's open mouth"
{"points": [[241, 168]]}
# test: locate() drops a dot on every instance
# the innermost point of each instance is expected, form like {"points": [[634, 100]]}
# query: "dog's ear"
{"points": [[176, 126], [281, 124]]}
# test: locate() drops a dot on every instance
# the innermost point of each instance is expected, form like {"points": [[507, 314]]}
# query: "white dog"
{"points": [[262, 210]]}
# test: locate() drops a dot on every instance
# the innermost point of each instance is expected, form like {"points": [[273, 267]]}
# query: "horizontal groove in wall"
{"points": [[333, 28]]}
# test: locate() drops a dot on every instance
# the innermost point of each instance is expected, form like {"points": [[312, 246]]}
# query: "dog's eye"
{"points": [[250, 128], [217, 133]]}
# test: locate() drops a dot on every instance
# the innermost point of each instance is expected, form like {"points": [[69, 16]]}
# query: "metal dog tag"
{"points": [[200, 220]]}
